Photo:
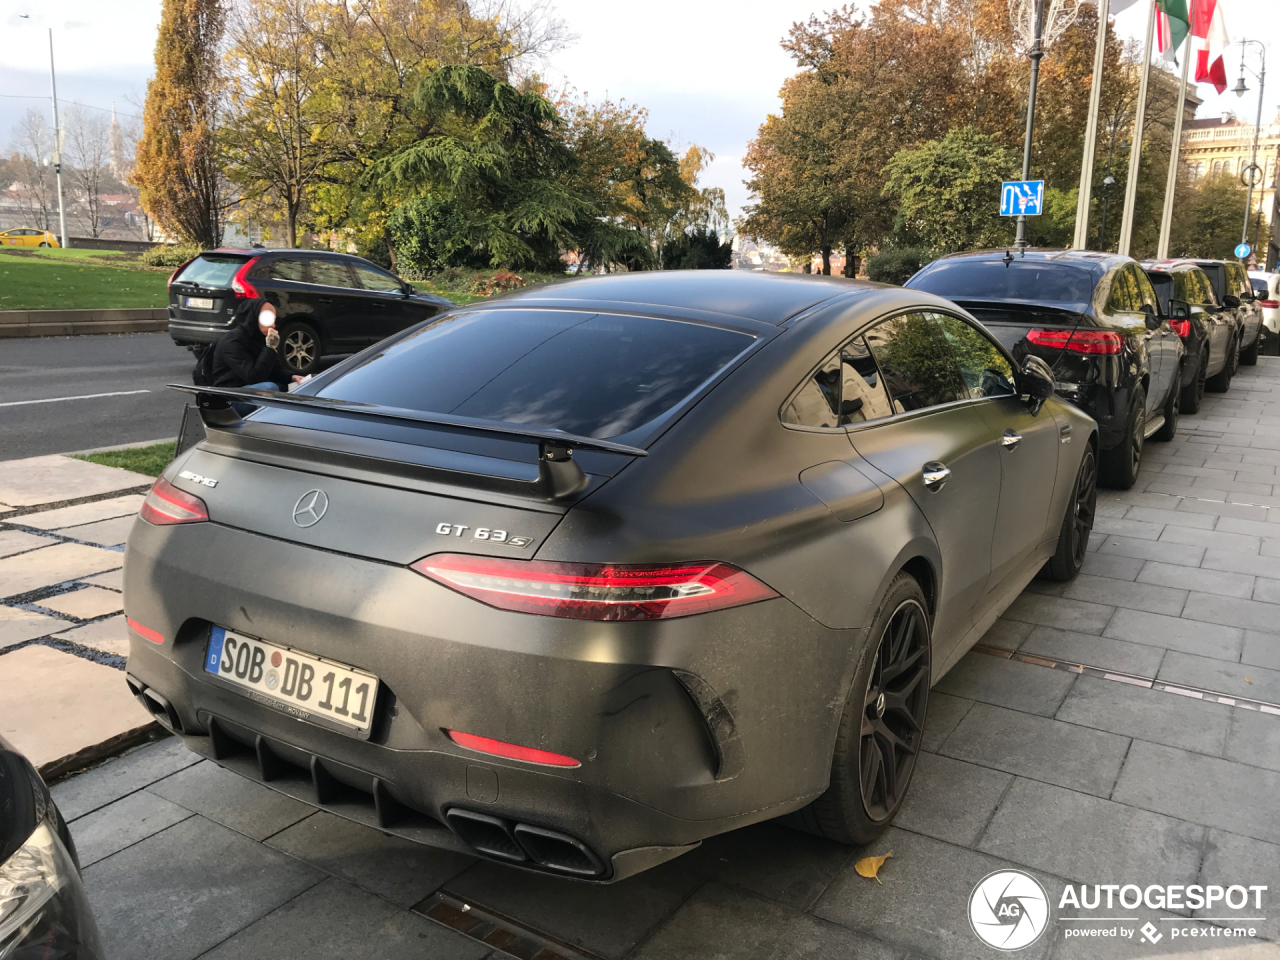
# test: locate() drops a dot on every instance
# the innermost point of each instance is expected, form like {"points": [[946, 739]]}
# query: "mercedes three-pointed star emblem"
{"points": [[310, 508]]}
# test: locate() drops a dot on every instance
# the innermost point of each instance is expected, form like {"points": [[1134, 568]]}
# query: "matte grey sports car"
{"points": [[579, 577]]}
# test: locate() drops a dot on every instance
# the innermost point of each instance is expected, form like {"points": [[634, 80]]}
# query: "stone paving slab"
{"points": [[54, 479], [19, 626], [86, 604], [109, 636], [19, 541], [140, 767], [1153, 715], [112, 580], [124, 823], [106, 533], [53, 565], [60, 704], [1110, 654], [85, 513], [231, 800]]}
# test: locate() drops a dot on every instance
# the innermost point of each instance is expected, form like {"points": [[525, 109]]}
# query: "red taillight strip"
{"points": [[145, 632], [585, 591], [166, 505], [1106, 342], [511, 751], [1181, 327], [1269, 304], [240, 282]]}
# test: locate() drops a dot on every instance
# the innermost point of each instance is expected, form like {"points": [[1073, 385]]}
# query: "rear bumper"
{"points": [[185, 331], [661, 770]]}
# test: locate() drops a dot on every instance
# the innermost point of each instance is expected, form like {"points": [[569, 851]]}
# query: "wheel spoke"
{"points": [[888, 764], [893, 673]]}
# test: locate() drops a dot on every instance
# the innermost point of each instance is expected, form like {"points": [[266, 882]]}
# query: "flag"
{"points": [[1209, 41], [1173, 23]]}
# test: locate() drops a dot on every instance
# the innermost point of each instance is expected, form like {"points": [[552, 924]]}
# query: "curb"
{"points": [[119, 446], [70, 323], [98, 752]]}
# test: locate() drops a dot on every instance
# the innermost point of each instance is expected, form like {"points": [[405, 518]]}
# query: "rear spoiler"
{"points": [[558, 473]]}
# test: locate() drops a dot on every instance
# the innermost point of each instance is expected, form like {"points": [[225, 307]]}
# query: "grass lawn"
{"points": [[76, 280], [148, 460]]}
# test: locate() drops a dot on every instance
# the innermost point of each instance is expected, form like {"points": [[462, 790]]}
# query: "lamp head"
{"points": [[1240, 89]]}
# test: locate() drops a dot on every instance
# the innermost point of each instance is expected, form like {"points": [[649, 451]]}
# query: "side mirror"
{"points": [[1037, 382], [1230, 301], [1179, 310], [408, 290]]}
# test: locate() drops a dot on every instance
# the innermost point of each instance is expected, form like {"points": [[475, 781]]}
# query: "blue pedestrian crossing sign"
{"points": [[1243, 250], [1022, 198]]}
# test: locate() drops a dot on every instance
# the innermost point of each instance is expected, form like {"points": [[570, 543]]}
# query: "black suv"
{"points": [[1094, 318], [1209, 334], [1233, 290], [327, 303]]}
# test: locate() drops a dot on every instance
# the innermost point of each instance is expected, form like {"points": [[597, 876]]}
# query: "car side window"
{"points": [[986, 371], [1123, 297], [1146, 292], [286, 268], [845, 389], [1240, 281], [330, 273], [1203, 289], [372, 279], [918, 366]]}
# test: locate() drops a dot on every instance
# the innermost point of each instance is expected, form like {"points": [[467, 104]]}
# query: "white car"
{"points": [[1266, 286]]}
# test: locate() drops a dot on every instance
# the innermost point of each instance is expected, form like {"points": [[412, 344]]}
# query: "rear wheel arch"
{"points": [[922, 570]]}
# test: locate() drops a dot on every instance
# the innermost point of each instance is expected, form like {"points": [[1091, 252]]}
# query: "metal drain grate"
{"points": [[493, 929]]}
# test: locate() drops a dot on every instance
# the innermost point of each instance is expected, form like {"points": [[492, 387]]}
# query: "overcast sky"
{"points": [[709, 73]]}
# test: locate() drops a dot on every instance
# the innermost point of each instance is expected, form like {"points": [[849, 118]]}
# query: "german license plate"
{"points": [[200, 303], [299, 684]]}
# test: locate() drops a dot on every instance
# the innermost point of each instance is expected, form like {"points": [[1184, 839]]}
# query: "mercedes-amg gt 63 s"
{"points": [[577, 578]]}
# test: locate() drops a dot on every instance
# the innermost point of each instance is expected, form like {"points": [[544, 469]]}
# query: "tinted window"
{"points": [[1167, 286], [1239, 280], [286, 269], [1122, 294], [1214, 272], [917, 364], [1259, 288], [998, 280], [1146, 293], [845, 389], [212, 269], [986, 371], [591, 374], [372, 279], [1200, 285], [330, 273]]}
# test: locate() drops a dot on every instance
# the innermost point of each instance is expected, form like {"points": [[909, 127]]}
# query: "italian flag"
{"points": [[1173, 23], [1209, 41]]}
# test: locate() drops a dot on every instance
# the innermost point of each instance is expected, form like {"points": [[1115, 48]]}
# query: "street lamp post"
{"points": [[1109, 181], [1240, 90], [1035, 53], [57, 145]]}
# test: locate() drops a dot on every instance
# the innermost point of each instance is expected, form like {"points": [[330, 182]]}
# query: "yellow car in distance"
{"points": [[27, 237]]}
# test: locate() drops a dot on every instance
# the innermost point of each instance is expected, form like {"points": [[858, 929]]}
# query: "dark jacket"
{"points": [[242, 357]]}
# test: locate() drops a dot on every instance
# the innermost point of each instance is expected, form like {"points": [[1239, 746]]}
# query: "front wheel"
{"points": [[1172, 407], [300, 348], [44, 243], [1193, 393], [882, 725], [1118, 467], [1249, 355], [1077, 524]]}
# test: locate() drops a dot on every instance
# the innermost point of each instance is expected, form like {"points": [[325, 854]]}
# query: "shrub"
{"points": [[169, 255], [897, 266], [500, 282]]}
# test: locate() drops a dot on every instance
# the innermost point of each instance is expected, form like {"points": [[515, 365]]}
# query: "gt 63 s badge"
{"points": [[482, 533]]}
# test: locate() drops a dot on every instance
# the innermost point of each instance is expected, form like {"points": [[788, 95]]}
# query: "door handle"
{"points": [[1011, 439], [326, 299], [936, 476]]}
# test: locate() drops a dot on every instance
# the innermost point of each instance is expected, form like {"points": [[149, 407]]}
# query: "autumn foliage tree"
{"points": [[176, 169]]}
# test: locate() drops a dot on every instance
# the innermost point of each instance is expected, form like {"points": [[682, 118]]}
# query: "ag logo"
{"points": [[1008, 910]]}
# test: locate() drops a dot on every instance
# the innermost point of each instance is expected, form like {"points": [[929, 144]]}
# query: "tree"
{"points": [[697, 248], [31, 170], [948, 191], [1209, 213], [177, 170], [85, 160]]}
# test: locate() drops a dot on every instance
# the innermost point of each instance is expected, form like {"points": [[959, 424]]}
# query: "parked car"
{"points": [[1093, 318], [28, 237], [327, 303], [43, 908], [1266, 287], [1234, 292], [575, 579], [1209, 334]]}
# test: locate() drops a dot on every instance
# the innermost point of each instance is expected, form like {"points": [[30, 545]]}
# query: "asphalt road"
{"points": [[69, 373]]}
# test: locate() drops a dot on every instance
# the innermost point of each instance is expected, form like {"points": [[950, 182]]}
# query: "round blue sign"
{"points": [[1243, 250]]}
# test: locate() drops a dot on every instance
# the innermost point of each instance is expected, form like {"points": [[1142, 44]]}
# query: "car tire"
{"points": [[1193, 393], [44, 243], [1118, 467], [300, 348], [1220, 382], [1249, 356], [1172, 407], [883, 720], [1077, 524]]}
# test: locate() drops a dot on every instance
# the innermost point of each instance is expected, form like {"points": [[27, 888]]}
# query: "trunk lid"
{"points": [[1010, 323]]}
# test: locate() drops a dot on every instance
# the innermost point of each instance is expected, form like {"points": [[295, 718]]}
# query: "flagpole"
{"points": [[1135, 151], [1091, 131], [1171, 182]]}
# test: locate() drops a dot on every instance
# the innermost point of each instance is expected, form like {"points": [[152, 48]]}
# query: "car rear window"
{"points": [[1259, 288], [596, 375], [212, 269], [1033, 280]]}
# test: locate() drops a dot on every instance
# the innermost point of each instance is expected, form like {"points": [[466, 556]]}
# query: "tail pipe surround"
{"points": [[523, 842]]}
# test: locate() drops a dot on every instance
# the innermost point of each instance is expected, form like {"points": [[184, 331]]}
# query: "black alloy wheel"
{"points": [[1119, 465], [1172, 408], [1077, 524], [300, 348], [1193, 393], [893, 710], [44, 243]]}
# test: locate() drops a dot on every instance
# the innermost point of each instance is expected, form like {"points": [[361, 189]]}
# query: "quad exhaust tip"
{"points": [[523, 842]]}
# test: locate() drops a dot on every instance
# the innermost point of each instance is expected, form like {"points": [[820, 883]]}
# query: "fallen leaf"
{"points": [[869, 867], [1249, 679]]}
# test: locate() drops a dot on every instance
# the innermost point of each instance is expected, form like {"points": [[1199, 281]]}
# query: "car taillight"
{"points": [[166, 505], [1078, 341], [240, 282], [1181, 327], [512, 751], [1269, 304], [590, 591], [173, 276], [155, 636]]}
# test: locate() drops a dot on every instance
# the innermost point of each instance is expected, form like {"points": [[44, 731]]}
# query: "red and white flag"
{"points": [[1209, 41]]}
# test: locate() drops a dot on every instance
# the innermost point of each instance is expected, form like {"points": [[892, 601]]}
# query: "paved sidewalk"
{"points": [[63, 524], [1162, 766]]}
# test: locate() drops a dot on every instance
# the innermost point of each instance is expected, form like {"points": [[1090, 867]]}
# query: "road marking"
{"points": [[85, 396]]}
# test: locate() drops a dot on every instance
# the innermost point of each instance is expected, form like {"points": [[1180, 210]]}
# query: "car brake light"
{"points": [[173, 276], [166, 505], [511, 751], [145, 632], [1078, 341], [590, 591], [1181, 327], [240, 282], [1269, 304]]}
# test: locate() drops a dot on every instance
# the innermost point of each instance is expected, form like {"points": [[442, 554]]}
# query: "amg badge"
{"points": [[482, 533], [196, 478]]}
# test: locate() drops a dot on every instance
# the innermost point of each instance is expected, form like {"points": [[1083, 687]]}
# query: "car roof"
{"points": [[266, 251], [1168, 266], [771, 298], [1095, 261]]}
